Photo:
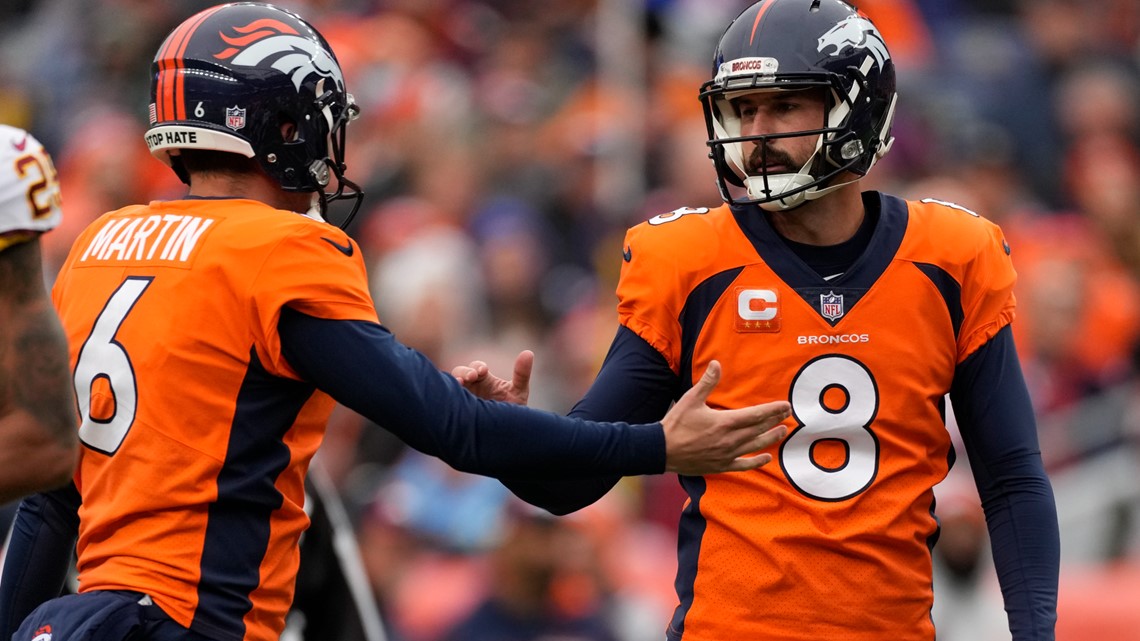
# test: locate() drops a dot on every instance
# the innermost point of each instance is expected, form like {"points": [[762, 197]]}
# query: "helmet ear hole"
{"points": [[289, 130]]}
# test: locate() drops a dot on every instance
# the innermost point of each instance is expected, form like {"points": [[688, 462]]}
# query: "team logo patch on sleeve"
{"points": [[757, 310]]}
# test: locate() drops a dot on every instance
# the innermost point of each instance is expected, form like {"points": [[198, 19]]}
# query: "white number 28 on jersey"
{"points": [[834, 398]]}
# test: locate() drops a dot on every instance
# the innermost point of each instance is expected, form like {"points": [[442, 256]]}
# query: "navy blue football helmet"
{"points": [[225, 80], [793, 45]]}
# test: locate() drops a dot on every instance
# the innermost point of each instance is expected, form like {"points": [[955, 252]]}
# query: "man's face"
{"points": [[776, 112]]}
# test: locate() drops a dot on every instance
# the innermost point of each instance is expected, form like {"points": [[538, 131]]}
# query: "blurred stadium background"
{"points": [[505, 145]]}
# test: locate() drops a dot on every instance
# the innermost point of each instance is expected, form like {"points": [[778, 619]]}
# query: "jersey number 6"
{"points": [[104, 378]]}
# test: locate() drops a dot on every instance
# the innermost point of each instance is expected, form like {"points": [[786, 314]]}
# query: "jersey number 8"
{"points": [[834, 398]]}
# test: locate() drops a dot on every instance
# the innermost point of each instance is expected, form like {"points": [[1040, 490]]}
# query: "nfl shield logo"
{"points": [[831, 305], [235, 117]]}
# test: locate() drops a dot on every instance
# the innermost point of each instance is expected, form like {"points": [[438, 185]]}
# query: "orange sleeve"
{"points": [[987, 292], [309, 274], [645, 294]]}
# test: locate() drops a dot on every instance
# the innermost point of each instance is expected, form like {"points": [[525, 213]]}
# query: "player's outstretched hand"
{"points": [[479, 380], [701, 440]]}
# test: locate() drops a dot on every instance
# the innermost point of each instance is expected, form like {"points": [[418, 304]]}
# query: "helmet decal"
{"points": [[254, 31], [747, 67], [296, 56], [857, 32], [235, 117], [764, 7], [169, 96]]}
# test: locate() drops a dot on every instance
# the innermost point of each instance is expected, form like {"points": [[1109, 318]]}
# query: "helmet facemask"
{"points": [[733, 149], [336, 117], [838, 148], [314, 155], [795, 45]]}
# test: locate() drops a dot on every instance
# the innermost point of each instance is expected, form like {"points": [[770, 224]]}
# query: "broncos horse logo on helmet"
{"points": [[292, 54], [855, 31], [228, 77]]}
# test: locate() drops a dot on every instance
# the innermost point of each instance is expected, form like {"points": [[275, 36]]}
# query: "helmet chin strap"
{"points": [[786, 182], [761, 187], [316, 208]]}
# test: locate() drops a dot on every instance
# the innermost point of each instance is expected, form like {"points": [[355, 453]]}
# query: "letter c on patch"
{"points": [[767, 308]]}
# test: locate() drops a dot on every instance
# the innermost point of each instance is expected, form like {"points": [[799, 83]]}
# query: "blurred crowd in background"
{"points": [[505, 146]]}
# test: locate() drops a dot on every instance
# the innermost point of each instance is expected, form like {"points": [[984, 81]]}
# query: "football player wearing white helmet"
{"points": [[37, 422]]}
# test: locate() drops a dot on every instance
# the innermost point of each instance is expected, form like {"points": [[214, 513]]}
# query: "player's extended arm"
{"points": [[998, 429], [365, 368], [38, 436], [38, 555], [557, 496], [635, 384]]}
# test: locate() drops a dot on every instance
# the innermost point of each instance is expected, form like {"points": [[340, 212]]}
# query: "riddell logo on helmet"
{"points": [[280, 46]]}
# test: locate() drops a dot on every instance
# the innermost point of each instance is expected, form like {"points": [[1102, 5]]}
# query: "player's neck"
{"points": [[831, 220], [249, 186]]}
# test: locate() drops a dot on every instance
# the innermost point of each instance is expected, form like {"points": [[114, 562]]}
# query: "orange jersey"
{"points": [[832, 540], [197, 433]]}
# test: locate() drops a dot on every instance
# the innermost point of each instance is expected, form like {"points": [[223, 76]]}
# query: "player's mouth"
{"points": [[769, 169]]}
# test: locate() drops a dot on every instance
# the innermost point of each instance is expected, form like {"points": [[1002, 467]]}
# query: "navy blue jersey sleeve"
{"points": [[999, 432], [636, 385], [364, 367], [39, 554]]}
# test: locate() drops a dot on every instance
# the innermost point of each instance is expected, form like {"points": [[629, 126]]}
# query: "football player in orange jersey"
{"points": [[864, 311], [210, 337], [37, 427]]}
